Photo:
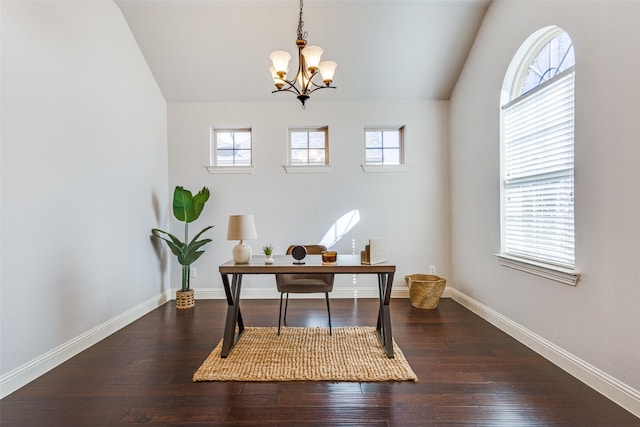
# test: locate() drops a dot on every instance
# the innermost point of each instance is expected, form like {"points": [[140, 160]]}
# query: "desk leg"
{"points": [[385, 282], [234, 316]]}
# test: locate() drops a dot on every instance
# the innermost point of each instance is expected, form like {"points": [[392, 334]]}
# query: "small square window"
{"points": [[384, 146], [308, 147], [231, 147]]}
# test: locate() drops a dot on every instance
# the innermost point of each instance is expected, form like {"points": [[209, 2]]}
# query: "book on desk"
{"points": [[375, 252]]}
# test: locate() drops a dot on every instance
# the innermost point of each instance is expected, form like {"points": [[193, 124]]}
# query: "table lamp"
{"points": [[241, 227]]}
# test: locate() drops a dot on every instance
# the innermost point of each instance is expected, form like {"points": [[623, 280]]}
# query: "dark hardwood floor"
{"points": [[469, 373]]}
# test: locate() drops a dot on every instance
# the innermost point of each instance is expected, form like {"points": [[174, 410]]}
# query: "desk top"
{"points": [[346, 264]]}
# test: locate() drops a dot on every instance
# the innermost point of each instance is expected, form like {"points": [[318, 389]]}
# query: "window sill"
{"points": [[383, 168], [229, 169], [552, 272], [307, 169]]}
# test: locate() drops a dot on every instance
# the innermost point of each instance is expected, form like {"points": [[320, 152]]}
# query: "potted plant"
{"points": [[186, 208], [268, 252]]}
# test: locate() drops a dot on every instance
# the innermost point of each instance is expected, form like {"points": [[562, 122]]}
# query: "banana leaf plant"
{"points": [[186, 208]]}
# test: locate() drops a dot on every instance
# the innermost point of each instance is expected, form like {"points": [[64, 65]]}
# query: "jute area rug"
{"points": [[306, 354]]}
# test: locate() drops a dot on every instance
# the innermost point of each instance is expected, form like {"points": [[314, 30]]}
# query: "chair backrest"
{"points": [[311, 250]]}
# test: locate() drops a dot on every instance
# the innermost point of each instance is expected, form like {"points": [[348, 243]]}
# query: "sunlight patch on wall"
{"points": [[341, 227]]}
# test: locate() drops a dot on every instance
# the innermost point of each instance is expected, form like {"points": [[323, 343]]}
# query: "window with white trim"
{"points": [[384, 145], [537, 154], [231, 148], [309, 146]]}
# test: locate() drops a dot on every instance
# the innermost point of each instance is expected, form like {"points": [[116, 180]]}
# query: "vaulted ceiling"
{"points": [[218, 50]]}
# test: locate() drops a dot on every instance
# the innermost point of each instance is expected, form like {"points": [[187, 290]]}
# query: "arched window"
{"points": [[537, 155], [551, 55]]}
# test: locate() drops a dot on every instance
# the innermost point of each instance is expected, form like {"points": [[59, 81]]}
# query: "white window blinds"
{"points": [[538, 215]]}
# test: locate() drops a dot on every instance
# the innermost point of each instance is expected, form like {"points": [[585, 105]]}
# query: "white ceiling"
{"points": [[218, 50]]}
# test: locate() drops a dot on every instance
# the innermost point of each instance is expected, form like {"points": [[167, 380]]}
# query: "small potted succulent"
{"points": [[268, 252]]}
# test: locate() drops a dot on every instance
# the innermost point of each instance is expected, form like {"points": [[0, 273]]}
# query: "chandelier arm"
{"points": [[320, 87], [302, 75], [291, 87], [296, 92], [317, 86]]}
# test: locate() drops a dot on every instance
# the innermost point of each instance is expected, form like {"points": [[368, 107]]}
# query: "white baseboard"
{"points": [[615, 390], [22, 375]]}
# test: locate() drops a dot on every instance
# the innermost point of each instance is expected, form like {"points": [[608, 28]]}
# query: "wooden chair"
{"points": [[301, 283]]}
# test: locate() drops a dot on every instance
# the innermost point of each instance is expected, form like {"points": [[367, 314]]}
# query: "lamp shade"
{"points": [[241, 227], [280, 60], [312, 55], [277, 80], [327, 70]]}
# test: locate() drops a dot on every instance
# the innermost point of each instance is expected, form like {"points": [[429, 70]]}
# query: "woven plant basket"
{"points": [[185, 299], [425, 290]]}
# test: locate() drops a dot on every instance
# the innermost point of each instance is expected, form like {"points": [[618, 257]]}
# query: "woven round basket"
{"points": [[185, 299], [425, 290]]}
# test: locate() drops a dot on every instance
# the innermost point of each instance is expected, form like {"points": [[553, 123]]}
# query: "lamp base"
{"points": [[242, 253]]}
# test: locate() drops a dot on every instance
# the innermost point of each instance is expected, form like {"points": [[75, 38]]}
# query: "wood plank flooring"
{"points": [[469, 374]]}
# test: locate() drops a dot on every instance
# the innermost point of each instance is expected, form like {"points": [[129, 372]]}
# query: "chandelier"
{"points": [[309, 66]]}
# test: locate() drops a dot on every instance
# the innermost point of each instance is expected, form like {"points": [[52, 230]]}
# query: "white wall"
{"points": [[84, 178], [597, 321], [409, 208], [84, 172]]}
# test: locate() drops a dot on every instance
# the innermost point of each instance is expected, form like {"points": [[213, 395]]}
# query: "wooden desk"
{"points": [[346, 264]]}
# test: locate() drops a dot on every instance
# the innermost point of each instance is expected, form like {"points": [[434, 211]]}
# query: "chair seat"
{"points": [[300, 283], [304, 286]]}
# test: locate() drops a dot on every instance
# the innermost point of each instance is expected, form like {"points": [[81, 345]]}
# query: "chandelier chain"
{"points": [[301, 35]]}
